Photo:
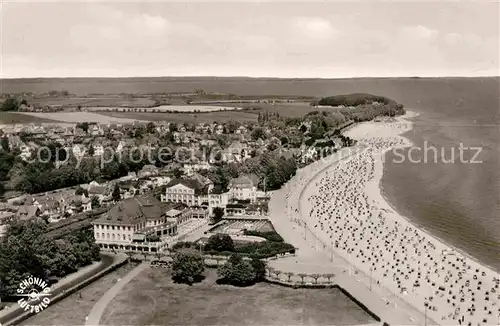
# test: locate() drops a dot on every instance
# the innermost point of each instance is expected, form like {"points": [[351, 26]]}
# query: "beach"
{"points": [[339, 201]]}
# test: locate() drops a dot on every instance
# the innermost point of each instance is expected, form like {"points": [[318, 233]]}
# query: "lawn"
{"points": [[185, 117], [15, 118], [153, 299], [72, 310]]}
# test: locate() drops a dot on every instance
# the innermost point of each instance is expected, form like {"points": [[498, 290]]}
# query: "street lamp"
{"points": [[426, 305], [331, 250], [371, 279]]}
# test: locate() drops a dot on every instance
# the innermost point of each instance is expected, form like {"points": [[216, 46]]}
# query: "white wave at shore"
{"points": [[343, 204]]}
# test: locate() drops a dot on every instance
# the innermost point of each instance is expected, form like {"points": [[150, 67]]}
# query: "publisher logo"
{"points": [[35, 294]]}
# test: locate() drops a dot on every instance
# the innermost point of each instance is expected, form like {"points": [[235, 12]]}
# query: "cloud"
{"points": [[314, 27], [420, 32], [452, 38], [327, 39], [151, 24], [110, 30]]}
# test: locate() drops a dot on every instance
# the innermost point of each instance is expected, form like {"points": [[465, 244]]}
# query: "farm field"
{"points": [[77, 117], [20, 118], [293, 109], [92, 101], [153, 299], [167, 108], [219, 116], [73, 309]]}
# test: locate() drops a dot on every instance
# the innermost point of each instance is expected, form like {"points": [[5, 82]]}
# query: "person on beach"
{"points": [[342, 208]]}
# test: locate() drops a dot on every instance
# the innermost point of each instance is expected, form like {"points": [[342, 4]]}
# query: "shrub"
{"points": [[265, 249], [269, 235], [220, 242], [187, 266], [260, 269], [182, 244], [237, 271]]}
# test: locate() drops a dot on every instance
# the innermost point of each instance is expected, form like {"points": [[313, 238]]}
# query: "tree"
{"points": [[178, 173], [237, 271], [150, 128], [187, 266], [289, 275], [258, 133], [220, 243], [328, 276], [27, 250], [183, 245], [116, 195], [95, 202], [91, 150], [10, 104], [80, 191], [302, 276], [172, 127], [218, 213], [5, 144], [222, 140], [84, 126], [315, 277], [260, 269]]}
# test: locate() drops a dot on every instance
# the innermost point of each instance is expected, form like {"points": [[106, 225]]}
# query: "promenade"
{"points": [[313, 257], [94, 317], [14, 312], [336, 207]]}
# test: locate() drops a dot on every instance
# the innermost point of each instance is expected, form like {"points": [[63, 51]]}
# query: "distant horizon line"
{"points": [[246, 77]]}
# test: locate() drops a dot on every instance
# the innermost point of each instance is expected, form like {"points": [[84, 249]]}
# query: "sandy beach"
{"points": [[339, 201]]}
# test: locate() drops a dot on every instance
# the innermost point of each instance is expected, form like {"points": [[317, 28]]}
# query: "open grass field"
{"points": [[153, 299], [408, 91], [170, 108], [15, 118], [92, 101], [219, 116], [293, 109], [77, 117], [427, 94], [72, 310]]}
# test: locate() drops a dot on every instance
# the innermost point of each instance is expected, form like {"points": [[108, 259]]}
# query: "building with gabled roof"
{"points": [[191, 192], [131, 219], [243, 188], [129, 223], [28, 212]]}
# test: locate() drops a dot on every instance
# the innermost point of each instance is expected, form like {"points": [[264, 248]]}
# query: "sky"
{"points": [[257, 39]]}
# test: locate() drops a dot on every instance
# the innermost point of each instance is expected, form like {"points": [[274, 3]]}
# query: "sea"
{"points": [[458, 201], [455, 198]]}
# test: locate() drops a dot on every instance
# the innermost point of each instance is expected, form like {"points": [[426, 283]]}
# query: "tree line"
{"points": [[26, 250]]}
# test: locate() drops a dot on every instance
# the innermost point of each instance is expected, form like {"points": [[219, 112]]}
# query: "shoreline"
{"points": [[344, 201], [374, 190], [314, 255], [428, 232]]}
